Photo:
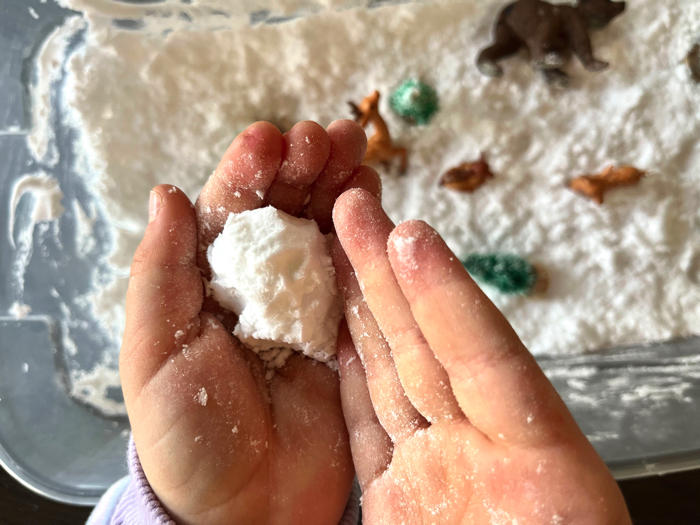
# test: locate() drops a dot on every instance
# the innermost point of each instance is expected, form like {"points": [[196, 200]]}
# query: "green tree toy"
{"points": [[508, 273], [415, 101]]}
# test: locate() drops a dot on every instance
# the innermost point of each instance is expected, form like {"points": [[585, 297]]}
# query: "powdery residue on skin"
{"points": [[202, 397], [405, 247]]}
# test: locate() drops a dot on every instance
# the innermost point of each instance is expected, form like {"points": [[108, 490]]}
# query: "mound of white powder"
{"points": [[274, 271], [160, 104]]}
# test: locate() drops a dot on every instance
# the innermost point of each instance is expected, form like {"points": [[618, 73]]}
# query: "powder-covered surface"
{"points": [[46, 205], [42, 205], [42, 138], [161, 104], [19, 310], [274, 271], [93, 388]]}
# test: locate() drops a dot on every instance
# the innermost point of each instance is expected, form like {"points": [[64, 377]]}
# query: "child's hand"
{"points": [[451, 421], [218, 443]]}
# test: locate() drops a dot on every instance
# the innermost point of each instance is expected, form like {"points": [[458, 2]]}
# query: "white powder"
{"points": [[274, 271], [44, 206], [162, 104], [19, 310], [47, 197], [85, 241], [92, 387], [41, 139], [202, 397]]}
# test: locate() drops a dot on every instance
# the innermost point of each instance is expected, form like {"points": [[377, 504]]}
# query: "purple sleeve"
{"points": [[130, 501]]}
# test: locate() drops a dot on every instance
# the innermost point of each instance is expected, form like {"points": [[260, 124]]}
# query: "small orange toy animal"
{"points": [[380, 150], [595, 186], [467, 177]]}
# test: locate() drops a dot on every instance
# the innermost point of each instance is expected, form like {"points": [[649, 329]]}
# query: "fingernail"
{"points": [[155, 203]]}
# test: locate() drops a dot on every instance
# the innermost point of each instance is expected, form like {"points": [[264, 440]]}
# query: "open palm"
{"points": [[218, 441], [451, 421]]}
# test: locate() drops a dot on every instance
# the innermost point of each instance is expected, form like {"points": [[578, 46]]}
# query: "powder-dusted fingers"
{"points": [[496, 380], [393, 408], [348, 147], [239, 183], [165, 289], [367, 179], [306, 150], [369, 442], [363, 229]]}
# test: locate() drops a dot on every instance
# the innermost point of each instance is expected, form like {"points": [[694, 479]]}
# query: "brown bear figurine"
{"points": [[550, 33]]}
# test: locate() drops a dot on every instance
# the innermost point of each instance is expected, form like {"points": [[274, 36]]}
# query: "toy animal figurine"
{"points": [[467, 177], [595, 186], [379, 146], [693, 61], [550, 32]]}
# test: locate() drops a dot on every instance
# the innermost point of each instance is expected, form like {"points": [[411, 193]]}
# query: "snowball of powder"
{"points": [[274, 271]]}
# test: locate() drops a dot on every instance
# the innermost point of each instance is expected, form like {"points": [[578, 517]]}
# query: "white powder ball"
{"points": [[275, 272]]}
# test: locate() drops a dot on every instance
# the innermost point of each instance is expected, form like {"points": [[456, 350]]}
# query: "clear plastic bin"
{"points": [[639, 406]]}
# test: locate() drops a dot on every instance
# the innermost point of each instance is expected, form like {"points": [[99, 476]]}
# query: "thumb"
{"points": [[165, 289]]}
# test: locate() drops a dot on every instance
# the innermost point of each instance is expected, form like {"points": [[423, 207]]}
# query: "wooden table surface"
{"points": [[666, 500]]}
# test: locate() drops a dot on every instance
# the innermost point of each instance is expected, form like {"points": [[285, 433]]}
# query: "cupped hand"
{"points": [[218, 442], [451, 421]]}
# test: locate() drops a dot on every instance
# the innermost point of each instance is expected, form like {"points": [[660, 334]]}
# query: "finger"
{"points": [[367, 179], [306, 149], [395, 412], [348, 147], [370, 444], [239, 183], [495, 379], [363, 229], [165, 289]]}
